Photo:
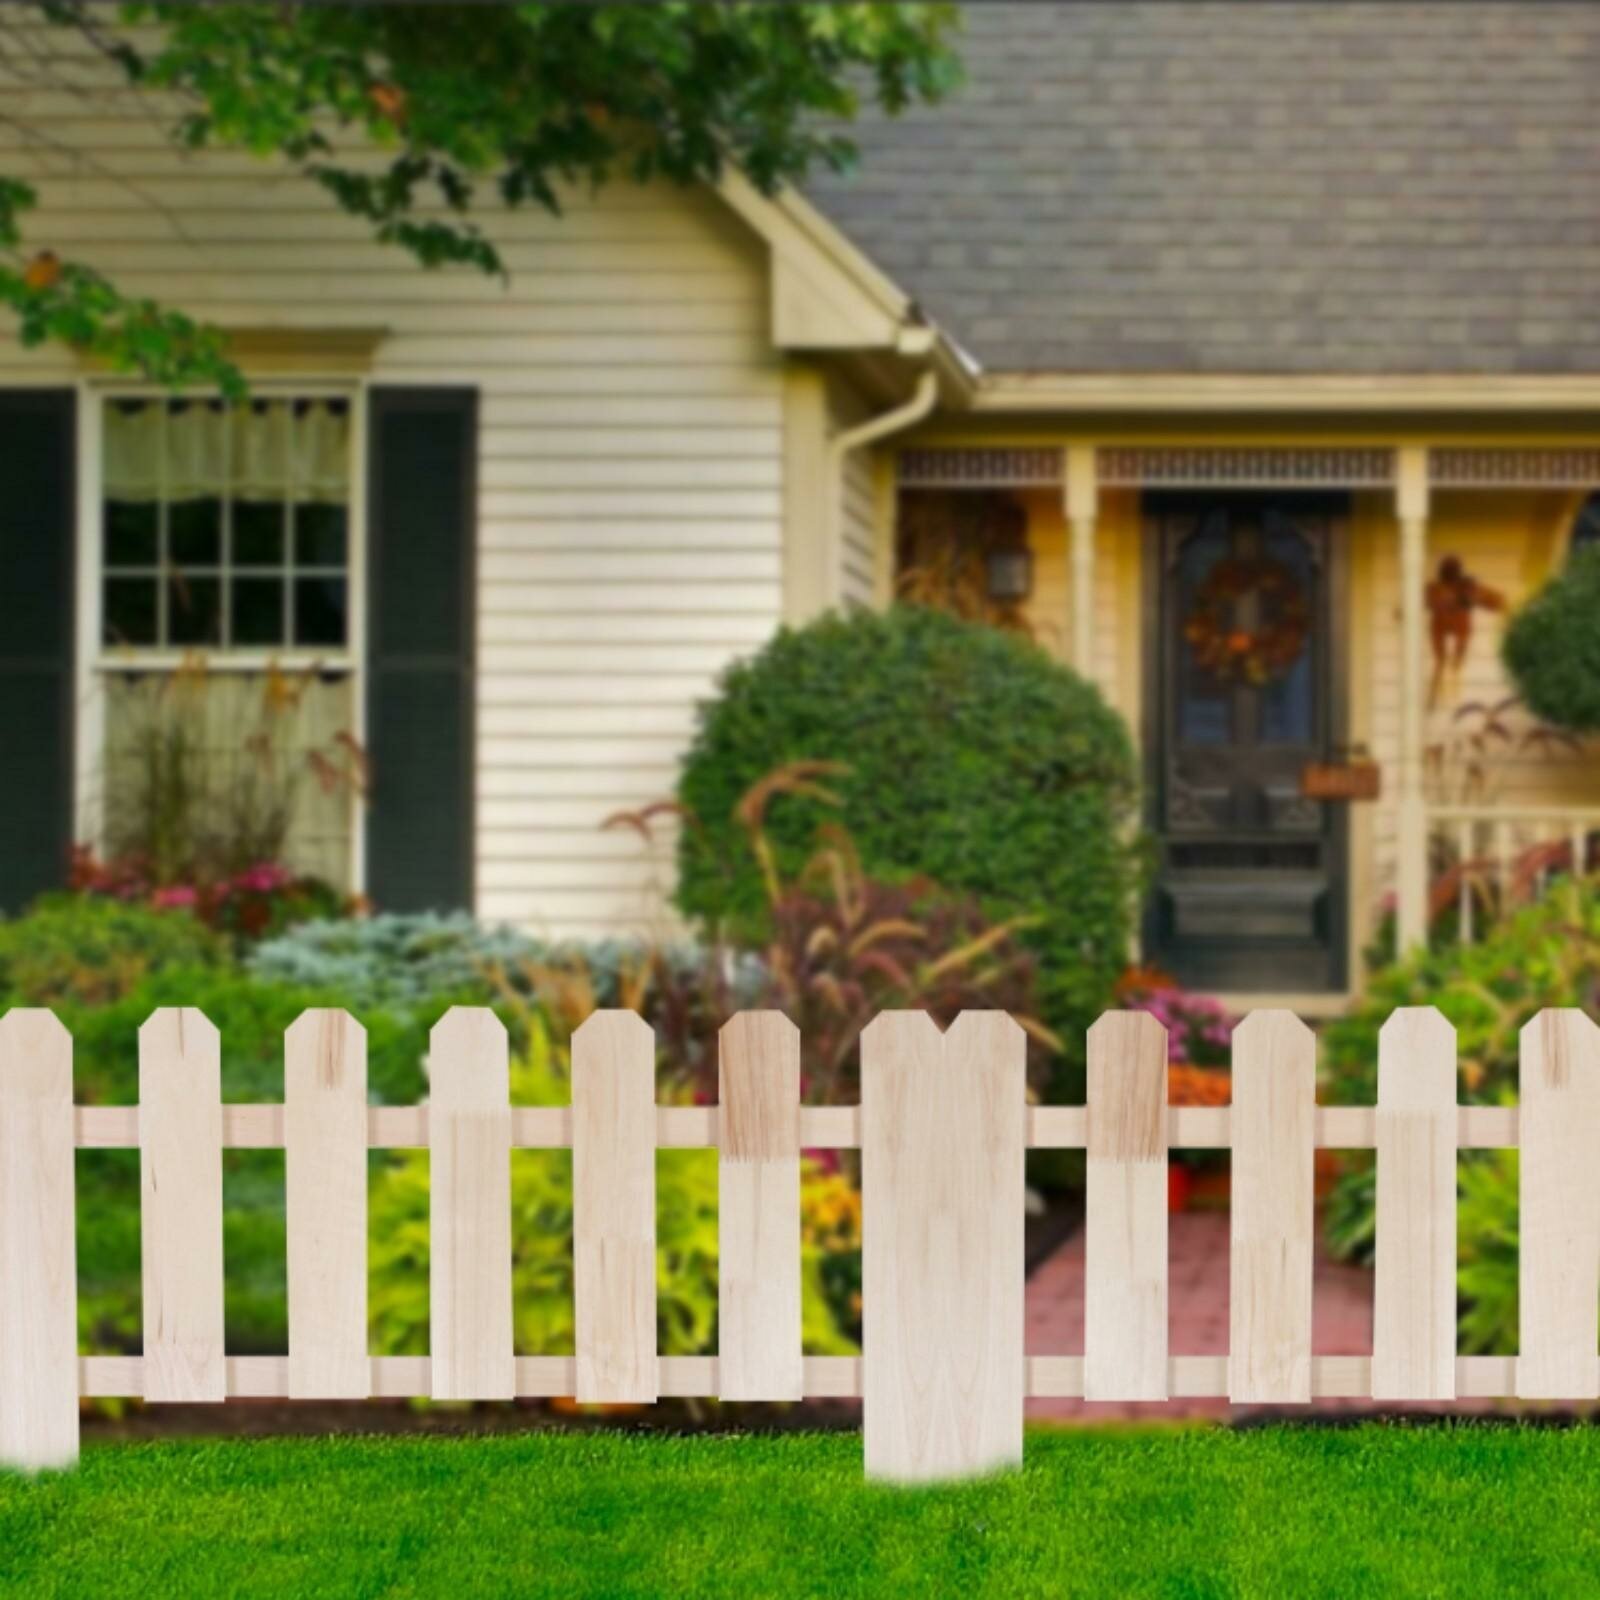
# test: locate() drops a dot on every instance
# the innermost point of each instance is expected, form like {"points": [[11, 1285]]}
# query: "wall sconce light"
{"points": [[1008, 561]]}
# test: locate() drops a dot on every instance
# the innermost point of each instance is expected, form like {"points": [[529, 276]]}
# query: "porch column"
{"points": [[1082, 501], [1411, 507]]}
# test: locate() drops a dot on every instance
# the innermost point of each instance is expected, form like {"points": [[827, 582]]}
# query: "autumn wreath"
{"points": [[1255, 655]]}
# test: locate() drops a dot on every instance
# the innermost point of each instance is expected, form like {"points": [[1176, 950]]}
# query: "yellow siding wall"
{"points": [[630, 479]]}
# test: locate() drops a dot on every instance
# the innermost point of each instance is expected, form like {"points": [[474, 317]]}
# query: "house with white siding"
{"points": [[1215, 322]]}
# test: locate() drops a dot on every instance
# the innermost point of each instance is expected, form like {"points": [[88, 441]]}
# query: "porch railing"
{"points": [[1504, 855]]}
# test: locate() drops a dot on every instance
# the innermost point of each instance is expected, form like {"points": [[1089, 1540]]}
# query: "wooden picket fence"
{"points": [[943, 1126]]}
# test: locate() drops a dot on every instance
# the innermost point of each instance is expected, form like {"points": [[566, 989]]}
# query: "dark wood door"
{"points": [[1244, 678]]}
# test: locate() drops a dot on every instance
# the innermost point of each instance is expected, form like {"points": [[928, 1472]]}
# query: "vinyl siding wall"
{"points": [[630, 473], [858, 508]]}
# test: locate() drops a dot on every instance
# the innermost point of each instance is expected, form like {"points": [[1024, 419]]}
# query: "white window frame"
{"points": [[95, 659]]}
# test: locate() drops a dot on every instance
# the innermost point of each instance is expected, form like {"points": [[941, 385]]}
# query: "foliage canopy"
{"points": [[409, 116]]}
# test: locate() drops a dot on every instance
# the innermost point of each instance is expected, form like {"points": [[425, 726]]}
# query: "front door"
{"points": [[1244, 613]]}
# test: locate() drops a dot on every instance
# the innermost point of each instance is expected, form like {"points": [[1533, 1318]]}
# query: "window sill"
{"points": [[296, 661]]}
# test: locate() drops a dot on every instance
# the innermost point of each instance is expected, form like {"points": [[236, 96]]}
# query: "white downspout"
{"points": [[905, 415]]}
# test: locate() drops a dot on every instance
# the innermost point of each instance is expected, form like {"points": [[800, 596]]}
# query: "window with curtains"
{"points": [[228, 667], [226, 527]]}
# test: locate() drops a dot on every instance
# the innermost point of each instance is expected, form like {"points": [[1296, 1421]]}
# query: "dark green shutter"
{"points": [[36, 642], [421, 573]]}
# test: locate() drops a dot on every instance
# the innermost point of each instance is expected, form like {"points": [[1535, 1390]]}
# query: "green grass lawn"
{"points": [[1479, 1509]]}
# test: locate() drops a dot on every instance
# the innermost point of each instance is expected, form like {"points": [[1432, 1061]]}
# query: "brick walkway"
{"points": [[1198, 1317]]}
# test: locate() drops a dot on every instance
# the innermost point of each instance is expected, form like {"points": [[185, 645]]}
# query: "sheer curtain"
{"points": [[260, 450]]}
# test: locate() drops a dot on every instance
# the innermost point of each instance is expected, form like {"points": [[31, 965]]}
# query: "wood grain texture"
{"points": [[1274, 1101], [325, 1193], [614, 1207], [942, 1128], [758, 1209], [38, 1252], [1560, 1223], [180, 1159], [469, 1144], [1414, 1290], [1125, 1244]]}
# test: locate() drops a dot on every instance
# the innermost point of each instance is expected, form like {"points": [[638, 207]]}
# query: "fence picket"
{"points": [[38, 1253], [758, 1210], [180, 1158], [1560, 1224], [325, 1195], [942, 1141], [1274, 1106], [469, 1145], [614, 1208], [1414, 1288], [1125, 1210]]}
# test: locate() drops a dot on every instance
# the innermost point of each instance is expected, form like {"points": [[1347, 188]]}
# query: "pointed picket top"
{"points": [[469, 1059], [36, 1054]]}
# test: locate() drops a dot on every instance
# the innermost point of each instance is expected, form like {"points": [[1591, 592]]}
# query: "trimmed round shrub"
{"points": [[973, 759], [1552, 648]]}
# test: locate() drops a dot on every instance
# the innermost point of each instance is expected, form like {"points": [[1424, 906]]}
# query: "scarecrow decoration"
{"points": [[1451, 599]]}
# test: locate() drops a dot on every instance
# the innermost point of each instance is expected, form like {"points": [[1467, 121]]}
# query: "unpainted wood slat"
{"points": [[38, 1252], [180, 1159], [614, 1208], [758, 1209], [942, 1128], [1414, 1288], [1274, 1091], [325, 1195], [1125, 1210], [469, 1144], [1559, 1289]]}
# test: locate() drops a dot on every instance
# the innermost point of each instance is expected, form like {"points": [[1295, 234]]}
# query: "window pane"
{"points": [[258, 533], [319, 609], [319, 535], [194, 532], [1204, 711], [258, 611], [131, 529], [130, 611], [194, 610]]}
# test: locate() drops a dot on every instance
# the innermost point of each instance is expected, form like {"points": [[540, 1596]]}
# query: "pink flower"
{"points": [[179, 894]]}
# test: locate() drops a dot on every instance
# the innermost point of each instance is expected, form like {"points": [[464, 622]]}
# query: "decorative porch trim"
{"points": [[1245, 466], [972, 467], [1481, 467]]}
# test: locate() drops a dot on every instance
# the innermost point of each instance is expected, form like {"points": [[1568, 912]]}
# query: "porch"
{"points": [[1304, 638]]}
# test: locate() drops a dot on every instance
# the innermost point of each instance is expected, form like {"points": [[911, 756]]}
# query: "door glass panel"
{"points": [[1288, 700], [1203, 713]]}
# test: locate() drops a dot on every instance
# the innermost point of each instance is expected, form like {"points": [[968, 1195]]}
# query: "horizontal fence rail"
{"points": [[942, 1127]]}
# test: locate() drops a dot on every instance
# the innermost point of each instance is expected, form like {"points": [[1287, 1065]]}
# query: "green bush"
{"points": [[72, 949], [973, 760], [1548, 954], [541, 1228], [1552, 647]]}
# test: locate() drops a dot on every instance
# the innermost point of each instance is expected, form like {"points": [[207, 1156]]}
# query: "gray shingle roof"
{"points": [[1323, 186]]}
